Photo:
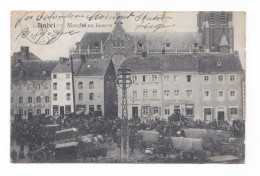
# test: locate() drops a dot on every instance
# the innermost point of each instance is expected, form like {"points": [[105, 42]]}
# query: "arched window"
{"points": [[122, 43], [118, 41]]}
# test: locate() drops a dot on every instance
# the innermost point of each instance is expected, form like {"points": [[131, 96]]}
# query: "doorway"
{"points": [[30, 114], [177, 110], [221, 116], [135, 112], [62, 110]]}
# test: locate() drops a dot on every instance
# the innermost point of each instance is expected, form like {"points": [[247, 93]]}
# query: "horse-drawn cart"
{"points": [[68, 146]]}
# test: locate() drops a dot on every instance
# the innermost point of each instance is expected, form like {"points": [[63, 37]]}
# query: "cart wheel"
{"points": [[218, 138], [39, 157]]}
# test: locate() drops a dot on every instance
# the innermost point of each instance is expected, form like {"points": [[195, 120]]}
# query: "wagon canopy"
{"points": [[66, 135], [197, 134], [181, 143], [80, 112], [149, 136], [65, 145]]}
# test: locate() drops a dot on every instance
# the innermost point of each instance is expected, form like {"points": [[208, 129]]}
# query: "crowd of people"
{"points": [[31, 132]]}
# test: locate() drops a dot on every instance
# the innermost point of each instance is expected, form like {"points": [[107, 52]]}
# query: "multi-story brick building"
{"points": [[221, 77], [172, 73], [95, 89], [61, 87], [160, 85], [30, 87], [191, 85]]}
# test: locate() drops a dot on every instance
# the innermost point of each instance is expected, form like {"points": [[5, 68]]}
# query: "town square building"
{"points": [[199, 86], [196, 74], [31, 84]]}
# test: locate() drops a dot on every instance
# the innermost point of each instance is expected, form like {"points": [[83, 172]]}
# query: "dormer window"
{"points": [[168, 44], [218, 63], [140, 44]]}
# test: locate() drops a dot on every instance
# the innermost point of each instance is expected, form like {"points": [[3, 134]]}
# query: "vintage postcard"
{"points": [[127, 87]]}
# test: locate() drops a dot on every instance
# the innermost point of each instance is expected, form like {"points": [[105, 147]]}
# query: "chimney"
{"points": [[25, 49], [46, 72], [25, 52], [63, 59]]}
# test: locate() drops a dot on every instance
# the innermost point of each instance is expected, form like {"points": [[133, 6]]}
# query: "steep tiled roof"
{"points": [[65, 67], [20, 55], [33, 69], [93, 67], [219, 63], [181, 40], [202, 63], [158, 63], [90, 38]]}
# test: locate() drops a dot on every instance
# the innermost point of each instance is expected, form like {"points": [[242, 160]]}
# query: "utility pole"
{"points": [[124, 81], [73, 89]]}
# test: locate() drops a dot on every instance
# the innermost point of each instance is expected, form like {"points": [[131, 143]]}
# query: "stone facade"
{"points": [[208, 88], [30, 97], [220, 99], [30, 88], [61, 87], [89, 94]]}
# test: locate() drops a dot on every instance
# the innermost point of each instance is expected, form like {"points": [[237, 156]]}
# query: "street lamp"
{"points": [[124, 81]]}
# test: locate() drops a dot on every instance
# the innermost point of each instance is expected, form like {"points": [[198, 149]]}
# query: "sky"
{"points": [[176, 22]]}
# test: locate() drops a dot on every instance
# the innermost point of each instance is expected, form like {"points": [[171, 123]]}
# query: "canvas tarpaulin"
{"points": [[197, 134], [182, 143], [149, 136]]}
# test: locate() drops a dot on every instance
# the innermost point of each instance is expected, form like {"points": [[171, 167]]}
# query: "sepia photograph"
{"points": [[128, 87]]}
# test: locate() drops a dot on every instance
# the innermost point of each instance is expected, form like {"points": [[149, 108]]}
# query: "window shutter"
{"points": [[239, 113], [151, 110], [213, 114], [142, 112], [228, 114], [159, 110]]}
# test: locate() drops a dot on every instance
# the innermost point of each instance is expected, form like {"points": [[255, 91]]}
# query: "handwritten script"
{"points": [[46, 27]]}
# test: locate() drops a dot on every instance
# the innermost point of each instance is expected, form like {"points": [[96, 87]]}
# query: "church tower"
{"points": [[119, 45], [217, 31]]}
